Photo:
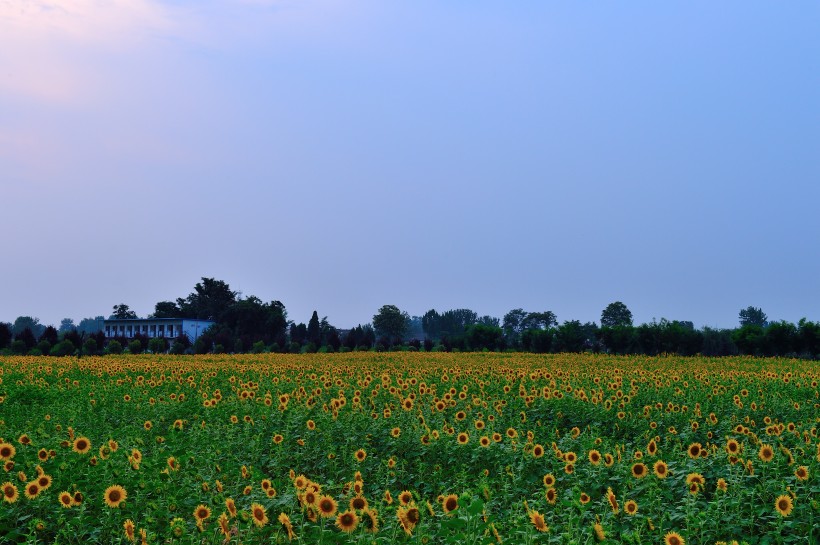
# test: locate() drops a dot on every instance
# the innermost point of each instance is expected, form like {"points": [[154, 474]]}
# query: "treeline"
{"points": [[248, 324]]}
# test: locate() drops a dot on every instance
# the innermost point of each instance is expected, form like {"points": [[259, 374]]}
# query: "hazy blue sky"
{"points": [[340, 156]]}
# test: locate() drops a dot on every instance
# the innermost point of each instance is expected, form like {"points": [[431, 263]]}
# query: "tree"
{"points": [[27, 337], [390, 322], [66, 325], [157, 345], [539, 320], [752, 316], [314, 333], [512, 323], [5, 335], [210, 299], [27, 322], [484, 337], [50, 334], [91, 325], [122, 312], [114, 347], [616, 314], [166, 309]]}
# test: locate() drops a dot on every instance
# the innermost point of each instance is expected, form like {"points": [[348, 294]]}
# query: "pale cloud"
{"points": [[49, 46]]}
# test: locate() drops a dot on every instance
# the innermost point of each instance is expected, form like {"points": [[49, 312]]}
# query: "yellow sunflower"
{"points": [[259, 515], [81, 445], [784, 505], [538, 521], [10, 493], [114, 495], [347, 521]]}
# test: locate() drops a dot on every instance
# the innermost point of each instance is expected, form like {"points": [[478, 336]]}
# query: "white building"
{"points": [[168, 328]]}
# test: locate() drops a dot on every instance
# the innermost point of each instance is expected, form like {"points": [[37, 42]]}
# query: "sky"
{"points": [[340, 156]]}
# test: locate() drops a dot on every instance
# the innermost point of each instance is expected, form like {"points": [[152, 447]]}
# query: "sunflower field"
{"points": [[402, 447]]}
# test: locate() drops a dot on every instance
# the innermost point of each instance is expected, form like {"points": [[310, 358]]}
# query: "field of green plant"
{"points": [[409, 447]]}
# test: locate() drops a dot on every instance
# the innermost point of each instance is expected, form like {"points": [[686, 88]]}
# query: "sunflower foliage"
{"points": [[409, 448]]}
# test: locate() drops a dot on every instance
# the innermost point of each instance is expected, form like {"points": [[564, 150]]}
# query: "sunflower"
{"points": [[694, 450], [44, 481], [230, 505], [358, 503], [551, 496], [538, 521], [549, 480], [497, 437], [300, 482], [639, 470], [284, 520], [81, 445], [360, 455], [722, 485], [732, 446], [42, 455], [65, 499], [224, 525], [260, 517], [10, 493], [783, 504], [652, 448], [463, 438], [609, 460], [537, 451], [114, 495], [484, 441], [32, 490], [347, 521], [766, 453], [613, 501], [370, 521], [202, 513], [594, 457], [695, 478], [630, 507], [802, 473], [584, 499], [405, 497], [661, 469], [7, 451], [129, 528], [173, 465], [450, 503], [673, 538], [327, 506], [599, 531], [77, 498]]}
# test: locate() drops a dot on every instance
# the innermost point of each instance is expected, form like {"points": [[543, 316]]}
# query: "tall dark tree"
{"points": [[539, 320], [122, 312], [210, 299], [27, 322], [91, 325], [51, 335], [5, 335], [431, 324], [314, 332], [752, 316], [167, 309], [616, 314], [390, 322], [27, 337], [512, 325], [66, 325]]}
